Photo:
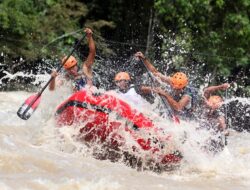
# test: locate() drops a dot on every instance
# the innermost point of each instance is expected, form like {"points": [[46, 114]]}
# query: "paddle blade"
{"points": [[28, 107]]}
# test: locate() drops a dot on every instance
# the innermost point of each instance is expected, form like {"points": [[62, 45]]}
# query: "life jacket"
{"points": [[132, 97], [188, 111], [209, 119], [79, 82]]}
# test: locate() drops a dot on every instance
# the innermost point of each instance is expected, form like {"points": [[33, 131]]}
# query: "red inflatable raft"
{"points": [[94, 115]]}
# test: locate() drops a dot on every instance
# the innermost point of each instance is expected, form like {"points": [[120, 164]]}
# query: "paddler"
{"points": [[80, 78], [129, 92], [182, 98], [211, 111]]}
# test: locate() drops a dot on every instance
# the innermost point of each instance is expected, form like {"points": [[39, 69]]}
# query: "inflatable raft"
{"points": [[103, 118]]}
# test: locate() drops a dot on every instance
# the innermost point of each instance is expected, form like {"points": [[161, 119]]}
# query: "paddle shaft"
{"points": [[225, 137], [51, 78]]}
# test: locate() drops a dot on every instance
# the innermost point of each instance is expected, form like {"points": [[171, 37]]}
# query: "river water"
{"points": [[32, 157]]}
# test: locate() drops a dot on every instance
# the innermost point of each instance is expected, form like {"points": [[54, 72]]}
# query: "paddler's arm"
{"points": [[209, 90], [87, 65], [145, 89], [52, 83], [142, 89], [177, 106], [222, 123], [152, 69]]}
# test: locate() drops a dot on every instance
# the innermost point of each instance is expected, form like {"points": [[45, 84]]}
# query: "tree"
{"points": [[27, 26], [216, 31]]}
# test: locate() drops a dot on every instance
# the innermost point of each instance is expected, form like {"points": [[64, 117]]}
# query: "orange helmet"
{"points": [[70, 62], [215, 101], [122, 76], [179, 80]]}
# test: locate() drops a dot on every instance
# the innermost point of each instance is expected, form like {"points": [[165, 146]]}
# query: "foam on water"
{"points": [[34, 155]]}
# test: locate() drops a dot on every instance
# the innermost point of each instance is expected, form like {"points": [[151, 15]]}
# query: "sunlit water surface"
{"points": [[33, 157]]}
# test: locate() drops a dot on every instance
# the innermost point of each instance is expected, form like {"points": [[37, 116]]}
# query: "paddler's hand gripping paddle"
{"points": [[31, 103]]}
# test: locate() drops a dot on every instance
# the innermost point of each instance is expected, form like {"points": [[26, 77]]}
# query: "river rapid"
{"points": [[32, 156]]}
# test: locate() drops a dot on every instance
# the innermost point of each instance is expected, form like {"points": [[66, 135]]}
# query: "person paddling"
{"points": [[212, 118], [80, 78], [212, 113], [182, 98]]}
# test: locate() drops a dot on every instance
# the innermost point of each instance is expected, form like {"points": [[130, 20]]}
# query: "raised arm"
{"points": [[88, 63], [152, 69], [209, 90]]}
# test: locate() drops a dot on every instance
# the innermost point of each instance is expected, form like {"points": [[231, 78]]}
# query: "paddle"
{"points": [[31, 103], [224, 135], [174, 117]]}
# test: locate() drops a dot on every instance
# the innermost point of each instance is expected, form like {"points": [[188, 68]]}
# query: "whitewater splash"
{"points": [[34, 156]]}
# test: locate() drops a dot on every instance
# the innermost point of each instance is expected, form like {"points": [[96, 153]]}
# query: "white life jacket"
{"points": [[133, 98]]}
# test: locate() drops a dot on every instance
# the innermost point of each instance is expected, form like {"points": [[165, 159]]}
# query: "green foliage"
{"points": [[214, 31], [33, 29], [17, 22], [130, 18], [29, 25], [219, 28]]}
